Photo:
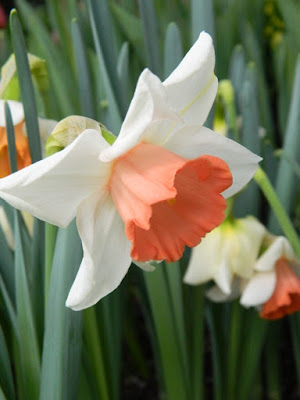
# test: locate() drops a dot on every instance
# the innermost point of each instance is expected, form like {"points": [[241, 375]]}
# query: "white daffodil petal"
{"points": [[53, 188], [204, 260], [223, 277], [16, 109], [192, 86], [259, 289], [279, 248], [149, 104], [245, 245], [191, 141], [106, 251], [215, 294], [148, 266]]}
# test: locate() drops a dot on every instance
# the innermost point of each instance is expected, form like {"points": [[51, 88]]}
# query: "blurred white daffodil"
{"points": [[275, 285], [157, 188], [226, 254], [245, 260]]}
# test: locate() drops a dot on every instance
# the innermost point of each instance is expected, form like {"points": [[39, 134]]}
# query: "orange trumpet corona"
{"points": [[22, 149], [166, 201], [286, 296]]}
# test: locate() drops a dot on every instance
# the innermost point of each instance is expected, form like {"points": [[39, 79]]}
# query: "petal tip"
{"points": [[73, 305]]}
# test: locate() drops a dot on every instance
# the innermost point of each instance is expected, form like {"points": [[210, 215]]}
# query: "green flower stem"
{"points": [[50, 240], [263, 181], [226, 93]]}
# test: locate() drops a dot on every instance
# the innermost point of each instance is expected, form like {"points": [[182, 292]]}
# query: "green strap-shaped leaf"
{"points": [[256, 329], [123, 69], [249, 199], [62, 339], [273, 362], [237, 72], [173, 52], [104, 34], [7, 266], [61, 74], [60, 23], [285, 183], [111, 313], [132, 29], [26, 86], [234, 349], [294, 164], [115, 118], [83, 73], [35, 258], [2, 396], [285, 58], [10, 139], [290, 13], [294, 321], [196, 337], [151, 37], [98, 370], [9, 306], [173, 279], [164, 324], [26, 332], [6, 377], [28, 343], [253, 49], [202, 15]]}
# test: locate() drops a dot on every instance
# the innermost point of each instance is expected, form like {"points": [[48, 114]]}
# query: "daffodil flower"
{"points": [[159, 187], [225, 255], [275, 284], [22, 145]]}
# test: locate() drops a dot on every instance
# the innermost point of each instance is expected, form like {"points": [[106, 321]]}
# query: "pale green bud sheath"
{"points": [[68, 129], [9, 85]]}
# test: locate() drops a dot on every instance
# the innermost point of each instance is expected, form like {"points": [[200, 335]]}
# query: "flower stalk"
{"points": [[264, 183]]}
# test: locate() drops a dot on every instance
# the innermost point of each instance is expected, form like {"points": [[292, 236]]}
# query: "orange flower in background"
{"points": [[22, 145], [275, 284], [286, 296]]}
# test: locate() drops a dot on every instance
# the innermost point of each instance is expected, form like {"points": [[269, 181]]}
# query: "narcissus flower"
{"points": [[158, 187], [275, 284], [22, 147], [226, 254]]}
